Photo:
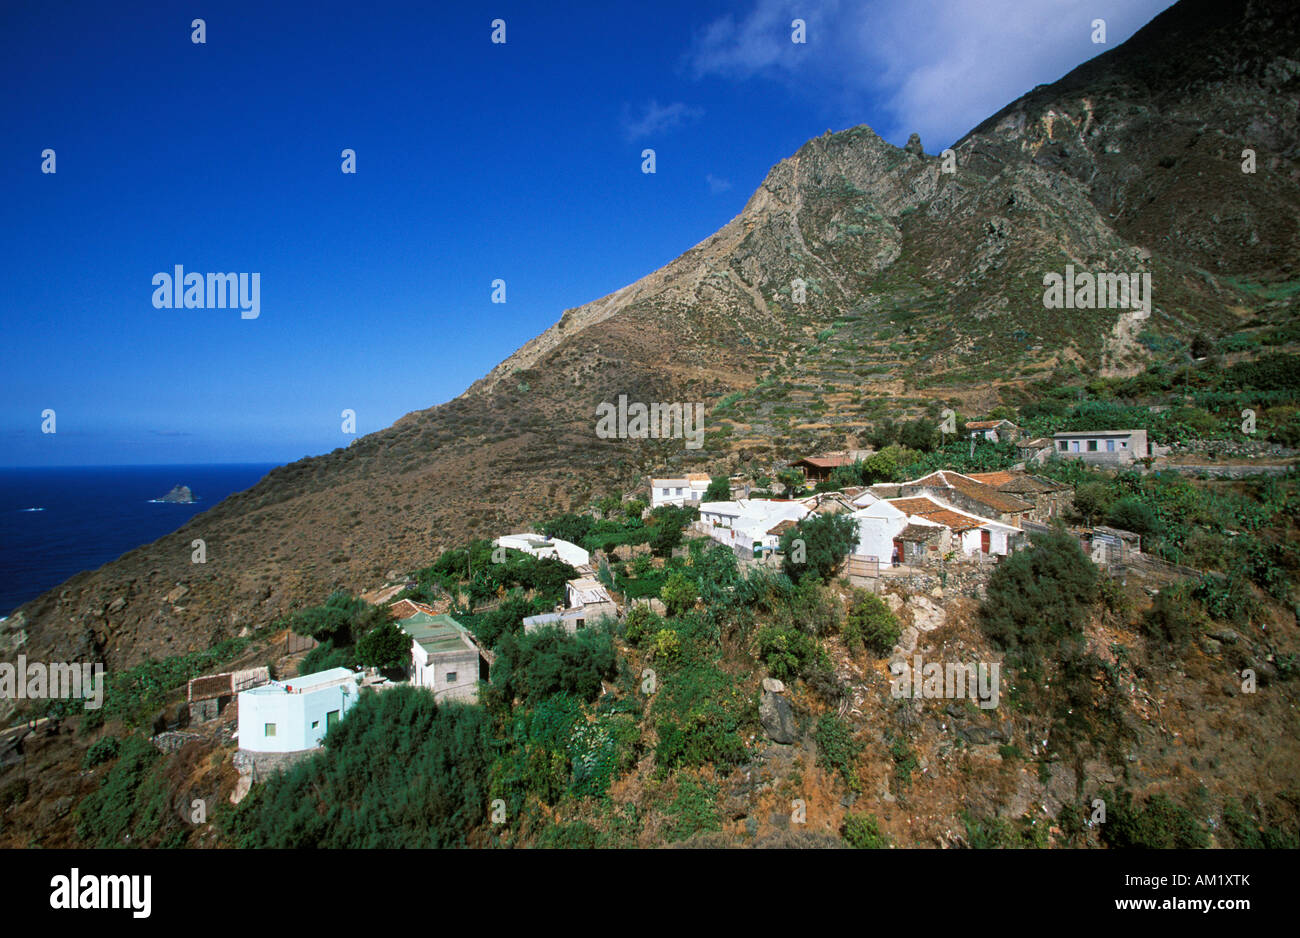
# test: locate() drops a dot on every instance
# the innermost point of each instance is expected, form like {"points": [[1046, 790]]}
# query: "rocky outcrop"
{"points": [[775, 713], [180, 495]]}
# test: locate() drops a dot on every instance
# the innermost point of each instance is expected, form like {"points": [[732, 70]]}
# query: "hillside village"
{"points": [[777, 609]]}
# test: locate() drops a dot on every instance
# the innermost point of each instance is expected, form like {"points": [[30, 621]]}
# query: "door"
{"points": [[984, 540], [898, 552], [330, 719]]}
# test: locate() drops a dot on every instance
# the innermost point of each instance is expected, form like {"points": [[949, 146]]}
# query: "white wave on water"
{"points": [[31, 509]]}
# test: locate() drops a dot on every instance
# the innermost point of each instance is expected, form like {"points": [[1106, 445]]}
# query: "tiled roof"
{"points": [[987, 424], [974, 490], [826, 462], [995, 479]]}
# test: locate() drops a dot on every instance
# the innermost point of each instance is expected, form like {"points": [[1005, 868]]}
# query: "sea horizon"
{"points": [[109, 511]]}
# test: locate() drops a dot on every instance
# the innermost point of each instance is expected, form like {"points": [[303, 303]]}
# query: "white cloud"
{"points": [[717, 184], [655, 119], [936, 67]]}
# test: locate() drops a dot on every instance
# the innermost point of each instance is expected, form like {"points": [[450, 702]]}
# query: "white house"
{"points": [[571, 620], [750, 523], [878, 524], [293, 715], [590, 596], [975, 535], [443, 657], [540, 546], [681, 490]]}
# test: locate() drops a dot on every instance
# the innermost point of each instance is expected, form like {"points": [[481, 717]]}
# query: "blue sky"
{"points": [[475, 161]]}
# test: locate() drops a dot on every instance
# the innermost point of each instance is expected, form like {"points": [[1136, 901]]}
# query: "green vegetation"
{"points": [[825, 540], [1158, 823], [862, 831], [1038, 597], [836, 750], [400, 772], [871, 624]]}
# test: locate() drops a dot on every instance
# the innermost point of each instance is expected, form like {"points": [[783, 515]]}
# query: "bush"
{"points": [[101, 751], [324, 657], [862, 831], [786, 653], [1133, 514], [1037, 597], [1160, 823], [836, 750], [667, 645], [640, 622], [719, 489], [1174, 619], [871, 624], [698, 713], [679, 593], [533, 665]]}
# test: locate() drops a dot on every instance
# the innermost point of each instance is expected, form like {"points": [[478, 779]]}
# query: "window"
{"points": [[1074, 446], [581, 623], [1123, 444], [1063, 446], [1110, 446], [269, 729], [679, 491], [665, 491], [315, 723], [1092, 446], [451, 677]]}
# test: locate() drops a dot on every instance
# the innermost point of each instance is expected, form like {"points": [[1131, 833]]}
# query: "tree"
{"points": [[1092, 499], [792, 479], [608, 505], [719, 490], [826, 541], [385, 647]]}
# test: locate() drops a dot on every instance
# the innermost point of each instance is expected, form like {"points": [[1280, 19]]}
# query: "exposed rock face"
{"points": [[777, 716], [180, 494], [913, 145], [1130, 163]]}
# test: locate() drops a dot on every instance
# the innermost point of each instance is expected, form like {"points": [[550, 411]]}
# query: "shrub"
{"points": [[836, 750], [101, 751], [1037, 597], [534, 665], [698, 712], [640, 622], [679, 593], [1174, 619], [1160, 823], [871, 624], [667, 645], [400, 772], [786, 653], [862, 831], [324, 657]]}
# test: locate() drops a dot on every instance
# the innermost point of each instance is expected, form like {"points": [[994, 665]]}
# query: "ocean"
{"points": [[91, 515]]}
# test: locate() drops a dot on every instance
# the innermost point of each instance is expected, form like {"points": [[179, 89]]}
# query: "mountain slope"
{"points": [[921, 285]]}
